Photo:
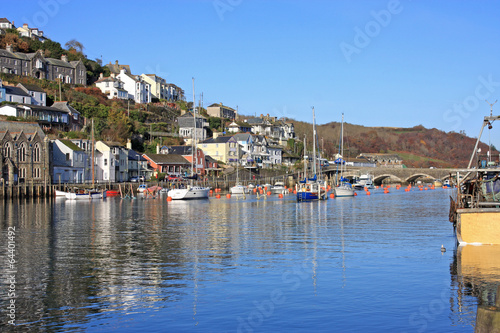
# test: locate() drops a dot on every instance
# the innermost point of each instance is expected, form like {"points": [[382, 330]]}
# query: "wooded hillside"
{"points": [[417, 146]]}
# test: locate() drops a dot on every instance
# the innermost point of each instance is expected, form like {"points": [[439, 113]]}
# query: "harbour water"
{"points": [[364, 264]]}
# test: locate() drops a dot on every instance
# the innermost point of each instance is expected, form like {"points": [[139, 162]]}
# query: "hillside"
{"points": [[417, 146]]}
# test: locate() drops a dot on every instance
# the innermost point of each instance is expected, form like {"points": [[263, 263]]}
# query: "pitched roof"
{"points": [[179, 150], [31, 87], [220, 139], [16, 91], [167, 158], [64, 106], [71, 145], [4, 20], [16, 126], [60, 63]]}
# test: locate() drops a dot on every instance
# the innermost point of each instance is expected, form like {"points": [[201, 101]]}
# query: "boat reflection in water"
{"points": [[478, 275]]}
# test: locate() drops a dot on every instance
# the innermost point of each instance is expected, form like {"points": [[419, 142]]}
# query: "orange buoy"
{"points": [[169, 198], [294, 191], [425, 188], [255, 190], [368, 193], [218, 196], [268, 193], [280, 196], [211, 192], [228, 196], [355, 194], [332, 196]]}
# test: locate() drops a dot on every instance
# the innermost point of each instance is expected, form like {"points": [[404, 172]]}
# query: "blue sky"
{"points": [[381, 63]]}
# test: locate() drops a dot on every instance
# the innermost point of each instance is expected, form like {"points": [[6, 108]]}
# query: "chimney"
{"points": [[129, 144], [216, 135], [9, 47], [64, 58], [113, 75], [101, 76], [25, 25], [116, 62], [157, 148]]}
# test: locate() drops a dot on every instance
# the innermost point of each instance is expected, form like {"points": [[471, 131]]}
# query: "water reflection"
{"points": [[476, 274], [210, 265]]}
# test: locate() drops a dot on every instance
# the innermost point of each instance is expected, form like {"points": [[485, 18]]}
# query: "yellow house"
{"points": [[221, 148]]}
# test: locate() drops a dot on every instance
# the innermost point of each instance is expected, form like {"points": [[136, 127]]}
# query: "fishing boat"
{"points": [[191, 191], [311, 189], [475, 213], [344, 187], [364, 181]]}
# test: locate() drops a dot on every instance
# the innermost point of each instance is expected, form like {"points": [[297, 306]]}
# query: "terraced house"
{"points": [[37, 66]]}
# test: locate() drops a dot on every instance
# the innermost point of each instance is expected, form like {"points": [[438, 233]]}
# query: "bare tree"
{"points": [[74, 44]]}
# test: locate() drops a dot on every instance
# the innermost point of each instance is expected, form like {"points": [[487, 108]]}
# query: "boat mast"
{"points": [[193, 137], [314, 142], [342, 146], [93, 148]]}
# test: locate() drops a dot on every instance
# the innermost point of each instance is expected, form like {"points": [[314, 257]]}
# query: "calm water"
{"points": [[370, 263]]}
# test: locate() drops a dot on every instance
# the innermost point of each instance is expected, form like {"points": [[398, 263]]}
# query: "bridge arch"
{"points": [[416, 176], [377, 180]]}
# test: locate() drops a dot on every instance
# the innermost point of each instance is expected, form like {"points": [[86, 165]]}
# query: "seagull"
{"points": [[443, 248]]}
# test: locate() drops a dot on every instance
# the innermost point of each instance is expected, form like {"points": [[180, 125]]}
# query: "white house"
{"points": [[115, 161], [112, 87], [17, 95], [5, 24], [38, 95], [138, 89], [69, 162]]}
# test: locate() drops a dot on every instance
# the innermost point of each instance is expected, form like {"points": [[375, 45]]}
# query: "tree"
{"points": [[74, 44]]}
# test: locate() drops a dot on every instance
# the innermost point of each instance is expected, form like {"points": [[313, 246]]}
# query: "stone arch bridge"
{"points": [[394, 175]]}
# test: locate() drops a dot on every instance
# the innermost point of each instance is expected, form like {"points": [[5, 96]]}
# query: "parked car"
{"points": [[137, 179], [172, 178]]}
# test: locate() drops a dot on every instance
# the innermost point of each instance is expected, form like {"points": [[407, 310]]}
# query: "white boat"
{"points": [[364, 181], [61, 193], [191, 192], [84, 196], [344, 188], [279, 188], [238, 189]]}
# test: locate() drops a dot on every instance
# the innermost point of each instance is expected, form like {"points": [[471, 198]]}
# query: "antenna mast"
{"points": [[489, 128]]}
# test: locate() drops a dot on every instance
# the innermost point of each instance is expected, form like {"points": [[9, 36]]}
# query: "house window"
{"points": [[36, 173], [67, 157], [105, 162]]}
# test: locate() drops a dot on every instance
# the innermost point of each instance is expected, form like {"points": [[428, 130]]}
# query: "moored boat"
{"points": [[476, 211], [190, 192], [279, 188], [364, 181], [85, 196], [437, 183], [238, 189]]}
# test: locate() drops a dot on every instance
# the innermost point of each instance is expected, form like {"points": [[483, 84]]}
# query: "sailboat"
{"points": [[191, 191], [344, 188], [311, 189], [238, 188]]}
